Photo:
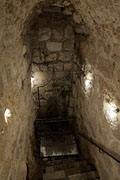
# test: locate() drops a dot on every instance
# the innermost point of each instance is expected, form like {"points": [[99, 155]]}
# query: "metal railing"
{"points": [[51, 120], [102, 148]]}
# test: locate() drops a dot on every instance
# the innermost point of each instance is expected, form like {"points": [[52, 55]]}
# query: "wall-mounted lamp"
{"points": [[7, 115], [32, 81], [88, 82], [111, 113]]}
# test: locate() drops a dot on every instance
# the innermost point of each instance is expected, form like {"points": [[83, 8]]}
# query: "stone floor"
{"points": [[68, 168], [60, 155]]}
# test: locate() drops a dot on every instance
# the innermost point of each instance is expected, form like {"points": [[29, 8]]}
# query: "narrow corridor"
{"points": [[59, 152]]}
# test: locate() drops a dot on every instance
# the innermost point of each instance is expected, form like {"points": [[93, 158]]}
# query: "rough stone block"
{"points": [[36, 53], [69, 45], [67, 12], [65, 56], [69, 32], [60, 75], [43, 68], [35, 67], [67, 66], [36, 59], [58, 67], [57, 34], [54, 46], [51, 57], [59, 174], [50, 67], [44, 34], [50, 169], [76, 18]]}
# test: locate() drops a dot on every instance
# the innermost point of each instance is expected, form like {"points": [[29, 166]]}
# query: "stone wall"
{"points": [[98, 55], [96, 92], [15, 95], [52, 47]]}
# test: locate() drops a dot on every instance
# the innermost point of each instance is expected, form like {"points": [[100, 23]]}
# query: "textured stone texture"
{"points": [[100, 22], [51, 57], [49, 68], [54, 46], [44, 34], [57, 34], [69, 45]]}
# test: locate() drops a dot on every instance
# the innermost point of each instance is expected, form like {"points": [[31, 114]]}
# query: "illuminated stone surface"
{"points": [[97, 43]]}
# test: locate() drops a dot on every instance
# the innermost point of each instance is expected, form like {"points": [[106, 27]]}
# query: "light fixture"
{"points": [[32, 81], [88, 82], [7, 115], [111, 113]]}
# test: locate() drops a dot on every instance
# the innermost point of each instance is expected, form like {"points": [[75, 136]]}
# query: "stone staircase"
{"points": [[61, 159], [69, 168]]}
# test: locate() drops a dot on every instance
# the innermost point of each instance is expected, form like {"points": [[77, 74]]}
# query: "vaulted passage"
{"points": [[59, 90]]}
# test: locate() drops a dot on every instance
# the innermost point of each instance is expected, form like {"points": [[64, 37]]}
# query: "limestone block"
{"points": [[43, 68], [60, 75], [50, 169], [44, 34], [67, 12], [69, 32], [60, 174], [67, 66], [69, 45], [54, 46], [66, 3], [43, 103], [35, 67], [50, 67], [65, 56], [76, 18], [82, 29], [35, 52], [36, 59], [57, 34], [51, 57], [58, 67]]}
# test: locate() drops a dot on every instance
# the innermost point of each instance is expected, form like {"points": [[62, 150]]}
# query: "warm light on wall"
{"points": [[88, 81], [111, 113], [7, 115], [32, 81]]}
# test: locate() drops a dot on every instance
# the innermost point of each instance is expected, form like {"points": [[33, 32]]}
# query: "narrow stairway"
{"points": [[57, 147]]}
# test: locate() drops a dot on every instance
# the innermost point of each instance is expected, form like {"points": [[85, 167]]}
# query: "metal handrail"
{"points": [[101, 147], [51, 120]]}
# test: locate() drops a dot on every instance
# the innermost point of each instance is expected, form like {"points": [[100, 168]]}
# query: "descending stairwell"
{"points": [[58, 150], [68, 168]]}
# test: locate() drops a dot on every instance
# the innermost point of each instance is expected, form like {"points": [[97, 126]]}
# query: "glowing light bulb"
{"points": [[110, 113], [88, 82], [7, 115], [32, 81]]}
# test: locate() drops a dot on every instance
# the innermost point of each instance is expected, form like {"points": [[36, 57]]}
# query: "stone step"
{"points": [[70, 169], [60, 175], [55, 175], [92, 175], [68, 163], [68, 172], [80, 169]]}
